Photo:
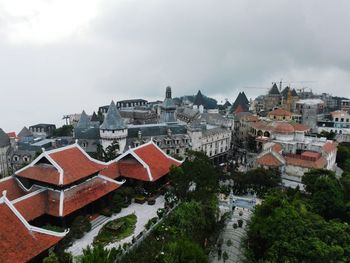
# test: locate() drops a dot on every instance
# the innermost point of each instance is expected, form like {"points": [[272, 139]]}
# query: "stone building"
{"points": [[113, 129], [4, 149], [310, 111]]}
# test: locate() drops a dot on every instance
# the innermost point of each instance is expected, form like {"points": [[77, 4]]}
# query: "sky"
{"points": [[59, 57]]}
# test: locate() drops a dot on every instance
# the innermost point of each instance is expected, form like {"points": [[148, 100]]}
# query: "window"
{"points": [[26, 159], [336, 119], [167, 151]]}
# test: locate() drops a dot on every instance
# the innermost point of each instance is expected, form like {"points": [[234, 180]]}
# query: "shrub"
{"points": [[140, 199], [240, 222], [225, 256], [106, 212], [229, 242], [235, 225], [160, 212], [80, 225], [118, 202], [151, 222]]}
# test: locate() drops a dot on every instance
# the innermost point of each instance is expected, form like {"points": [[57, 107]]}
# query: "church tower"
{"points": [[168, 108], [113, 129]]}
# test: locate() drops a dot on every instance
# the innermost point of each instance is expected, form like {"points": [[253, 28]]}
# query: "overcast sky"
{"points": [[62, 56]]}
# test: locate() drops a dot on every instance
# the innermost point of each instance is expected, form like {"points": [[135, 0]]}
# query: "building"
{"points": [[5, 145], [272, 99], [42, 130], [338, 122], [168, 108], [292, 152], [87, 130], [113, 129], [310, 111], [61, 184], [345, 105], [280, 115]]}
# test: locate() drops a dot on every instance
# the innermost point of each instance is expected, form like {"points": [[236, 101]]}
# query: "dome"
{"points": [[283, 127]]}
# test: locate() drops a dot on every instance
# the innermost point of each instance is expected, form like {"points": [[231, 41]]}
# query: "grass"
{"points": [[116, 230]]}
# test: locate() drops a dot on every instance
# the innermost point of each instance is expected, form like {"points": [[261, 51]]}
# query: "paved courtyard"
{"points": [[143, 212], [235, 236]]}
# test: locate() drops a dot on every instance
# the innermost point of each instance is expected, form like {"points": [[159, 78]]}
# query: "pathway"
{"points": [[143, 212]]}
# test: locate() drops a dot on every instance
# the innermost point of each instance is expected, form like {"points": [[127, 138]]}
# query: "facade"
{"points": [[168, 108], [272, 99], [87, 130], [113, 129], [338, 122], [310, 111], [42, 130], [4, 149], [280, 115]]}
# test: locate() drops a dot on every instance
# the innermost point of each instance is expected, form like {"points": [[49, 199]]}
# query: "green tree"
{"points": [[51, 258], [111, 151], [98, 254], [184, 251], [65, 130], [285, 230], [327, 196]]}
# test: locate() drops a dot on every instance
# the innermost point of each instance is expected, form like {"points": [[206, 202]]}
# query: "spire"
{"points": [[168, 93], [113, 120], [4, 139], [274, 90], [199, 99], [25, 133], [94, 117], [84, 121]]}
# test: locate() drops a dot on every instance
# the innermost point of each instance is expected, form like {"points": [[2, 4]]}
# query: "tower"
{"points": [[168, 108], [113, 128]]}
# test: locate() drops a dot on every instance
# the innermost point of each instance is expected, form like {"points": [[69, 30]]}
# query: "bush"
{"points": [[225, 256], [235, 225], [240, 222], [79, 226], [118, 202], [53, 228], [106, 212], [229, 242], [140, 199], [151, 222], [160, 212]]}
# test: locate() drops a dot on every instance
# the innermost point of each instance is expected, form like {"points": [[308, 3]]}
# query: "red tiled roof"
{"points": [[277, 147], [313, 155], [12, 188], [17, 243], [268, 160], [85, 194], [112, 171], [33, 207], [299, 126], [320, 163], [74, 163], [239, 109], [280, 112], [41, 172], [157, 161], [283, 127], [329, 147], [12, 135], [133, 169]]}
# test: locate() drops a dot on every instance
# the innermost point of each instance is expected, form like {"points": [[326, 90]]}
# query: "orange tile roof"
{"points": [[134, 170], [17, 243], [329, 147], [41, 172], [239, 109], [157, 161], [12, 135], [277, 147], [309, 154], [12, 188], [268, 160], [299, 126], [75, 164], [280, 112], [73, 161], [320, 163], [33, 207], [112, 170], [85, 194], [283, 127]]}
